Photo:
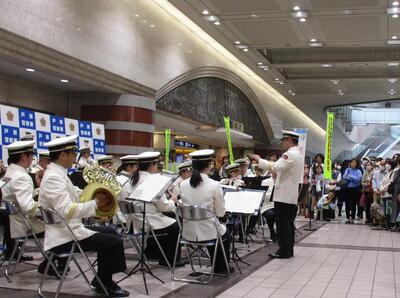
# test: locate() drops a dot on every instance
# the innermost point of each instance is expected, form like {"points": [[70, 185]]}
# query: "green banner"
{"points": [[167, 147], [229, 139], [328, 146]]}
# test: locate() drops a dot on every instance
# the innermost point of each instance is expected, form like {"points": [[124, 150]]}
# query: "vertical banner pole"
{"points": [[328, 146], [167, 147], [229, 139]]}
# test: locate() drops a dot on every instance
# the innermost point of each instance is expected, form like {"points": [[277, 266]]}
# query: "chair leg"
{"points": [[175, 256], [64, 272], [161, 249], [213, 261], [9, 273], [50, 261], [224, 254]]}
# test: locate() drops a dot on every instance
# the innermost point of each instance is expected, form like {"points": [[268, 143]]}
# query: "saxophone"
{"points": [[101, 180]]}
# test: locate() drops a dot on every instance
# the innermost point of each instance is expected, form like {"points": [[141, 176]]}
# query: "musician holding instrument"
{"points": [[58, 193], [84, 158], [233, 172], [20, 191], [162, 224], [105, 161], [36, 170], [185, 171], [200, 190], [127, 176]]}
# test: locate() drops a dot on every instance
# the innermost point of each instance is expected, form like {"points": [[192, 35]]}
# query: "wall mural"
{"points": [[208, 100]]}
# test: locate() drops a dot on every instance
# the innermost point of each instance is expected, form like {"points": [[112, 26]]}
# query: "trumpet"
{"points": [[103, 181]]}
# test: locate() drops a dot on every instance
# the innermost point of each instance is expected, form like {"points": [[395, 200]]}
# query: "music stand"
{"points": [[242, 203], [158, 184]]}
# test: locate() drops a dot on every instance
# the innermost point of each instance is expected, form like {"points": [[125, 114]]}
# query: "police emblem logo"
{"points": [[10, 116]]}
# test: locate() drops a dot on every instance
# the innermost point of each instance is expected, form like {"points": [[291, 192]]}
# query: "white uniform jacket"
{"points": [[288, 169], [83, 162], [20, 191], [154, 210], [207, 194], [57, 192], [124, 194], [267, 204], [236, 182]]}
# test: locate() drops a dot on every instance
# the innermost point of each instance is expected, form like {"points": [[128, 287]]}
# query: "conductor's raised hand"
{"points": [[255, 157]]}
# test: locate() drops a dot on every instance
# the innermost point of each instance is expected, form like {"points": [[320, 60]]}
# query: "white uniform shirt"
{"points": [[235, 182], [288, 169], [154, 210], [57, 192], [207, 194], [83, 162], [126, 189], [20, 191], [267, 204]]}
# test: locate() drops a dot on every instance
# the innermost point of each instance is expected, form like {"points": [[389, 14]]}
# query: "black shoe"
{"points": [[278, 256], [112, 288], [50, 272]]}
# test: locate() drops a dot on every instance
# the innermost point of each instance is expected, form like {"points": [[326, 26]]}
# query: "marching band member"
{"points": [[84, 158], [105, 161], [127, 176], [244, 167], [161, 223], [20, 190], [185, 171], [58, 193], [289, 169], [234, 177], [36, 171], [200, 190]]}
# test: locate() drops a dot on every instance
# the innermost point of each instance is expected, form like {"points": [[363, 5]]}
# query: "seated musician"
{"points": [[185, 171], [200, 190], [127, 176], [328, 205], [58, 193], [20, 191], [234, 179], [163, 225], [245, 169], [105, 161]]}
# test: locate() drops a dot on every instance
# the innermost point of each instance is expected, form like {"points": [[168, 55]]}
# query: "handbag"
{"points": [[363, 200], [318, 187]]}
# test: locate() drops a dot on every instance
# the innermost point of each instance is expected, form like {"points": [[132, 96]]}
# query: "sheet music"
{"points": [[245, 202], [124, 179], [152, 188]]}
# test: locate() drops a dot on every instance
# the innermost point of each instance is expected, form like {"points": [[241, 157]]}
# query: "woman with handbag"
{"points": [[367, 192], [353, 177]]}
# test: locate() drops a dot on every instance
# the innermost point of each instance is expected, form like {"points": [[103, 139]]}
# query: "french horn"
{"points": [[103, 181]]}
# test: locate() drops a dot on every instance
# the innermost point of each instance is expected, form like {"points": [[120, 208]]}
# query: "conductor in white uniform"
{"points": [[58, 193], [289, 169], [200, 190]]}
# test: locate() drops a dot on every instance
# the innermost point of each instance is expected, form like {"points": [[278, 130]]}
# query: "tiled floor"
{"points": [[348, 270], [336, 261]]}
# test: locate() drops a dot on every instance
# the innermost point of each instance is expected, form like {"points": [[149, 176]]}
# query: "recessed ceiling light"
{"points": [[245, 50], [393, 64], [313, 40], [30, 70], [205, 12], [255, 15], [260, 63], [152, 25], [64, 81], [281, 82], [237, 42], [136, 15], [315, 44], [395, 16], [265, 67], [335, 82], [326, 65], [302, 20], [395, 3], [296, 8], [217, 23], [392, 81], [241, 46], [394, 37], [277, 79], [211, 18]]}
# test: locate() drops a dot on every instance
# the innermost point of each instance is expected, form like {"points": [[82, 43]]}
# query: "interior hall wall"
{"points": [[118, 37], [15, 91]]}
